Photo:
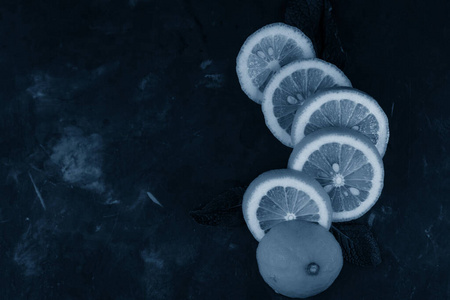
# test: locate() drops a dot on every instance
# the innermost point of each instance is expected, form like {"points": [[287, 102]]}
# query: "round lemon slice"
{"points": [[265, 52], [342, 107], [283, 195], [348, 166], [290, 87]]}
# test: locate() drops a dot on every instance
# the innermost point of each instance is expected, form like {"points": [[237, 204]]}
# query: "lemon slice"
{"points": [[283, 195], [290, 87], [265, 52], [348, 166], [342, 107]]}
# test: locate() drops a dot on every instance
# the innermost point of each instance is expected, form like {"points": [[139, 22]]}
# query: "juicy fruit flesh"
{"points": [[299, 259], [344, 113], [344, 172], [284, 195], [285, 204], [294, 90], [271, 53]]}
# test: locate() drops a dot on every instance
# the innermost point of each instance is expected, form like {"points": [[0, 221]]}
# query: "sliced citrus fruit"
{"points": [[348, 166], [283, 195], [342, 107], [290, 87], [265, 51]]}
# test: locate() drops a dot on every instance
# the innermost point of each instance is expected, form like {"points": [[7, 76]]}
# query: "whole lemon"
{"points": [[299, 259]]}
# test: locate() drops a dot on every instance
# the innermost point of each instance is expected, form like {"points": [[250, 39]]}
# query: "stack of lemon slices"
{"points": [[338, 134]]}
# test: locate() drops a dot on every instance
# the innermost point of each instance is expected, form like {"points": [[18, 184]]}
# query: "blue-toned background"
{"points": [[103, 102]]}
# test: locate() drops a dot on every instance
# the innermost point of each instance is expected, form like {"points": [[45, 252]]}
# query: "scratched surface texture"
{"points": [[119, 117]]}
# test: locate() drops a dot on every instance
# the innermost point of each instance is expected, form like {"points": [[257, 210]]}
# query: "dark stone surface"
{"points": [[103, 101]]}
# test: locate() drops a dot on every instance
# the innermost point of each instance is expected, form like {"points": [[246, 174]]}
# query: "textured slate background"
{"points": [[103, 101]]}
